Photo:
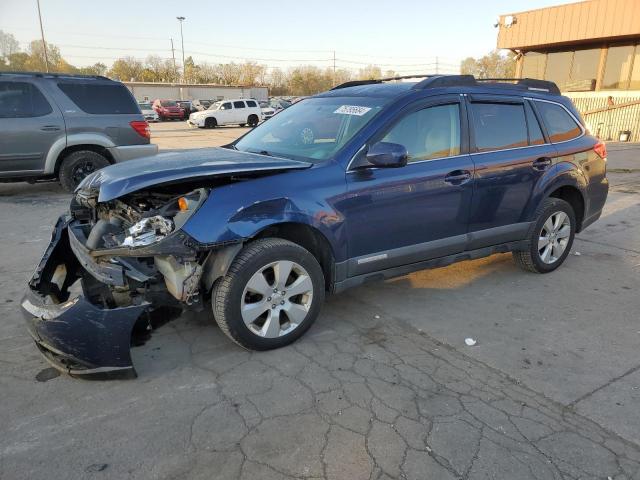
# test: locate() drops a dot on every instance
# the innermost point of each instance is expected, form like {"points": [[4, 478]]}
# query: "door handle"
{"points": [[50, 128], [542, 163], [458, 177]]}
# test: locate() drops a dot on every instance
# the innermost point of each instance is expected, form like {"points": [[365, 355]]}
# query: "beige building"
{"points": [[184, 91], [591, 50]]}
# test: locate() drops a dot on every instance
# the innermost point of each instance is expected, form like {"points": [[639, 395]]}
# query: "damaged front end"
{"points": [[110, 267]]}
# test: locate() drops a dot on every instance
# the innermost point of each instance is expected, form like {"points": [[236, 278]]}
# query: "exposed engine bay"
{"points": [[130, 232]]}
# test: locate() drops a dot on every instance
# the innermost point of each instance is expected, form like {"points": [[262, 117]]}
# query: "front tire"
{"points": [[77, 165], [210, 122], [550, 238], [270, 296]]}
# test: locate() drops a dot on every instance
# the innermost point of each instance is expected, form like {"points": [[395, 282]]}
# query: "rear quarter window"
{"points": [[100, 98], [251, 103], [560, 125], [499, 126]]}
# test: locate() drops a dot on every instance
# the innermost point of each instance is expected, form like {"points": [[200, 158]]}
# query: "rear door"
{"points": [[510, 156], [398, 216], [29, 125]]}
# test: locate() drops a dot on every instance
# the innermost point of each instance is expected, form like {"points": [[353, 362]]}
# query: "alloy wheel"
{"points": [[81, 170], [554, 237], [277, 299]]}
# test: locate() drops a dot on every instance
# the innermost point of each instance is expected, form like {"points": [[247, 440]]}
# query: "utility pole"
{"points": [[334, 68], [44, 44], [184, 78], [173, 55]]}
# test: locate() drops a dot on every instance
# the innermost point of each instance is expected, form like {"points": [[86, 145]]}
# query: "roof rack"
{"points": [[57, 75], [434, 81], [356, 83]]}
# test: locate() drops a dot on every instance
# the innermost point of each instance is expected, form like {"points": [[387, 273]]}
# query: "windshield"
{"points": [[215, 106], [145, 106], [168, 103], [313, 130]]}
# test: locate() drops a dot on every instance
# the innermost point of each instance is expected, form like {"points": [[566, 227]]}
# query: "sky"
{"points": [[403, 35]]}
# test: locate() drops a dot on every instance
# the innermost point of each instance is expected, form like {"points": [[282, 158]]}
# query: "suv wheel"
{"points": [[77, 165], [270, 296], [253, 120], [550, 238], [210, 122]]}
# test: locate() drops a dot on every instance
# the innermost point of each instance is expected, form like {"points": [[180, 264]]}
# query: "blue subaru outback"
{"points": [[368, 181]]}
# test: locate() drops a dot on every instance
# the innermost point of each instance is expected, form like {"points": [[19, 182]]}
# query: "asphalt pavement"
{"points": [[383, 385]]}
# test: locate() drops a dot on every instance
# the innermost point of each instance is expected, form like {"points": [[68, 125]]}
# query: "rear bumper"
{"points": [[129, 152], [75, 335]]}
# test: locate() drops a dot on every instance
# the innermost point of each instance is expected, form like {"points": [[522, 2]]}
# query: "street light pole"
{"points": [[184, 78], [44, 44]]}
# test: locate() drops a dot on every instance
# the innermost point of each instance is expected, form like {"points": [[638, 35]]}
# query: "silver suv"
{"points": [[66, 126]]}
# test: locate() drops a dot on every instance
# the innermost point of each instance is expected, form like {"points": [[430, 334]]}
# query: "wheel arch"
{"points": [[574, 197], [77, 148], [309, 238]]}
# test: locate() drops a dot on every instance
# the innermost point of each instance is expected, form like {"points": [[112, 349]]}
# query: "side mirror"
{"points": [[387, 155]]}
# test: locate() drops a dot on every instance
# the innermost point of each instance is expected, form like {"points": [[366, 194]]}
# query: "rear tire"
{"points": [[253, 120], [210, 122], [549, 238], [77, 165], [251, 303]]}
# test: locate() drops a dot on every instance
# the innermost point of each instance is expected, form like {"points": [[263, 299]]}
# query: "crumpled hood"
{"points": [[123, 178]]}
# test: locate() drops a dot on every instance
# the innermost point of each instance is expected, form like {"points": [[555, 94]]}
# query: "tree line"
{"points": [[298, 80]]}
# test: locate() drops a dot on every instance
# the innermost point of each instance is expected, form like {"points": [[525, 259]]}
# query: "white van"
{"points": [[228, 112]]}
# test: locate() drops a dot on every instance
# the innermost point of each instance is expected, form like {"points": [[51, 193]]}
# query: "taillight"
{"points": [[141, 128], [601, 149]]}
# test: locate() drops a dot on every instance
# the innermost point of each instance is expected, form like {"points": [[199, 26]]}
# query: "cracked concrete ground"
{"points": [[381, 387]]}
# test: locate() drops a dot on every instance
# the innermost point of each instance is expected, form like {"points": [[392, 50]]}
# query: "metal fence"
{"points": [[607, 114]]}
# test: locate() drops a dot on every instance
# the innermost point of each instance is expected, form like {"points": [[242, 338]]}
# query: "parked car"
{"points": [[168, 110], [279, 104], [228, 112], [61, 126], [187, 107], [267, 110], [412, 176], [201, 105], [148, 112]]}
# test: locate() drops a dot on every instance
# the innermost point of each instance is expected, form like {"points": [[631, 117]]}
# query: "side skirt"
{"points": [[424, 265]]}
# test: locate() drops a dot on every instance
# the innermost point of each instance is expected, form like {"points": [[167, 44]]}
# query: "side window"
{"points": [[498, 126], [238, 104], [430, 133], [251, 103], [560, 125], [535, 133], [226, 106], [99, 98], [22, 99]]}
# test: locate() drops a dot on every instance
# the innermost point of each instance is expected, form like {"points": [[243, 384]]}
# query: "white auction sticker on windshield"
{"points": [[352, 110]]}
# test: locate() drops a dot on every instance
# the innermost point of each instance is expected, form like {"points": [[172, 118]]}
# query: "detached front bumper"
{"points": [[75, 335]]}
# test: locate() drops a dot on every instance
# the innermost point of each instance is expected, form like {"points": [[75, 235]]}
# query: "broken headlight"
{"points": [[148, 231]]}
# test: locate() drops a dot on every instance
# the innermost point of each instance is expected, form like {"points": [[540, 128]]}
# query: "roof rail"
{"points": [[356, 83], [530, 83], [57, 75], [434, 81]]}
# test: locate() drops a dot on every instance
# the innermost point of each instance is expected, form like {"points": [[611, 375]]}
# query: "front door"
{"points": [[398, 216], [29, 125]]}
